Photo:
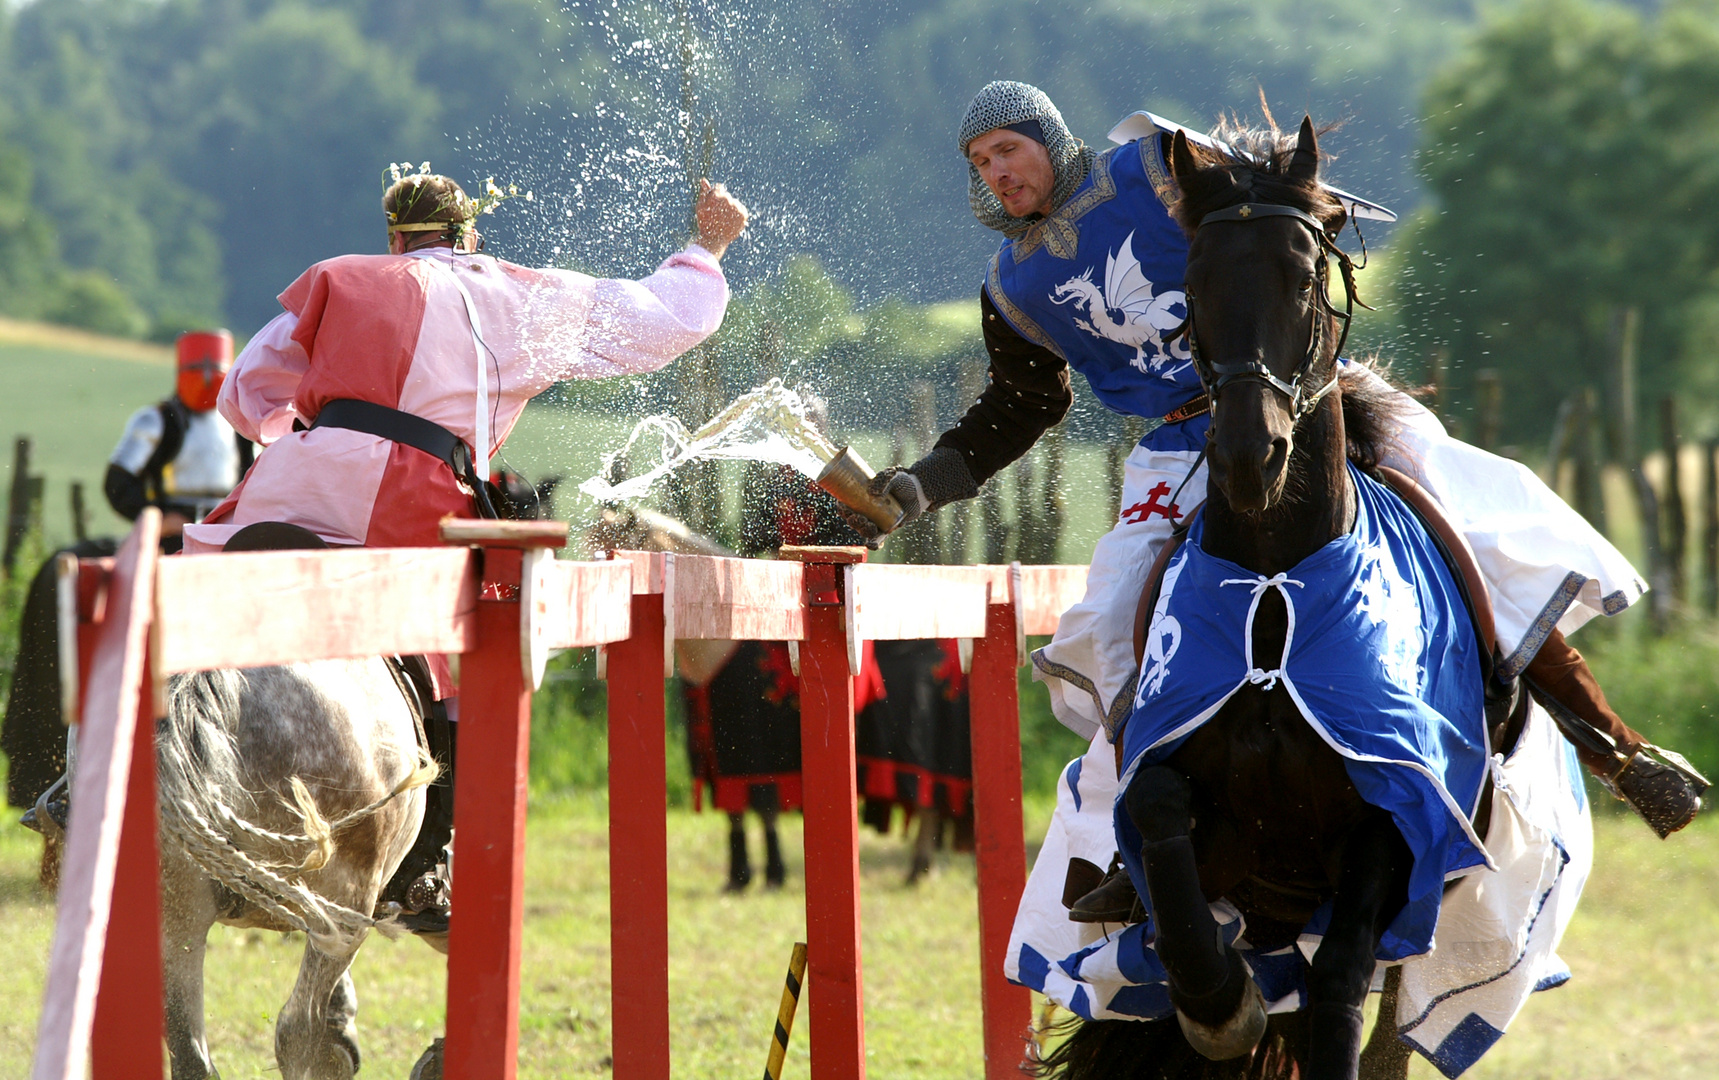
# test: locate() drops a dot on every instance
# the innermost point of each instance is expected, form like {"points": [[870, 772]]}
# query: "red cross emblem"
{"points": [[1154, 504]]}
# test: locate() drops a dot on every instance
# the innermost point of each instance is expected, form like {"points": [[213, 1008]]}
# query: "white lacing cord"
{"points": [[1280, 582]]}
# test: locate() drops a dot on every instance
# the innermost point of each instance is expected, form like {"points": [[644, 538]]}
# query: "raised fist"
{"points": [[721, 218]]}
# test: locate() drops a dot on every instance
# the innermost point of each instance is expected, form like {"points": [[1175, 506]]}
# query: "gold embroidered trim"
{"points": [[1157, 172], [1057, 233], [1017, 318]]}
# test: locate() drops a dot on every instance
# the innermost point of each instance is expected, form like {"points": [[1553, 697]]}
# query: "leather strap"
{"points": [[408, 430], [1456, 546], [1189, 409]]}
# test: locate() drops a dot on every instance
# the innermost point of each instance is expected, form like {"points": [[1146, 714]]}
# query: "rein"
{"points": [[1215, 376]]}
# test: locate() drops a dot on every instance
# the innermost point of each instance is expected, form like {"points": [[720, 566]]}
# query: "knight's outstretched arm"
{"points": [[1028, 394]]}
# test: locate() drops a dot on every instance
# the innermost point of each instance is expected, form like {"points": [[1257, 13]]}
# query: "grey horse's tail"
{"points": [[205, 811]]}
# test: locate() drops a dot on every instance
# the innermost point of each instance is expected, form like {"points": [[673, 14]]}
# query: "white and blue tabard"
{"points": [[1380, 658]]}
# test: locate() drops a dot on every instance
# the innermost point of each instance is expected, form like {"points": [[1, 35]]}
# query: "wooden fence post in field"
{"points": [[1559, 445], [1710, 526], [1676, 522], [1589, 496], [1626, 451], [17, 505], [1489, 394], [80, 513]]}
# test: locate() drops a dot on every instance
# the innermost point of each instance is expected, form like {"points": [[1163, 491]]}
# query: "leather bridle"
{"points": [[1215, 376]]}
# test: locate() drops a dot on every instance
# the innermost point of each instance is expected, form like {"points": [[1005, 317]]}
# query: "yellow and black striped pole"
{"points": [[785, 1012]]}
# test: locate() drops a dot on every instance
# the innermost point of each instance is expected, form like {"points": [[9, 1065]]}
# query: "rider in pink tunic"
{"points": [[405, 330], [388, 382]]}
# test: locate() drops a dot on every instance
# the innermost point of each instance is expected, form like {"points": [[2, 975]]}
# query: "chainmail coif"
{"points": [[1003, 103]]}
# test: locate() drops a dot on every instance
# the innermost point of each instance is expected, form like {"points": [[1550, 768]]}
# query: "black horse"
{"points": [[1281, 827]]}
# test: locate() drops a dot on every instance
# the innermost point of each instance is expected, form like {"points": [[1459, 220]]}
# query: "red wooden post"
{"points": [[130, 1022], [832, 833], [489, 815], [999, 835], [83, 999], [638, 842]]}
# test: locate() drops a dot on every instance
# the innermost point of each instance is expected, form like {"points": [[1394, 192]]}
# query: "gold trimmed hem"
{"points": [[1113, 717]]}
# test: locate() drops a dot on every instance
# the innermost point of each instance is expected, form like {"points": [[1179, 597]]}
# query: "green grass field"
{"points": [[1644, 948]]}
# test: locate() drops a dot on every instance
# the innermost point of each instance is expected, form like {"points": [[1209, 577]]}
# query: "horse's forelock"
{"points": [[1221, 181]]}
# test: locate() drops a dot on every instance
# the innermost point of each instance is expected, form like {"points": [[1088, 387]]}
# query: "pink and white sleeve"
{"points": [[257, 395], [639, 326]]}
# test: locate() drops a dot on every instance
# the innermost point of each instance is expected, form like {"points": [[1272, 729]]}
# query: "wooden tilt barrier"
{"points": [[500, 599]]}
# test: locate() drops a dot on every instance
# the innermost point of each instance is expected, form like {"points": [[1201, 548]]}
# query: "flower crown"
{"points": [[470, 209]]}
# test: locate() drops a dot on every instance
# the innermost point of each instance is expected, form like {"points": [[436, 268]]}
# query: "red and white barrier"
{"points": [[502, 602]]}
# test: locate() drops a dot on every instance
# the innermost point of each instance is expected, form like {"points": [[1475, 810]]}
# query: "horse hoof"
{"points": [[429, 1066], [1234, 1037]]}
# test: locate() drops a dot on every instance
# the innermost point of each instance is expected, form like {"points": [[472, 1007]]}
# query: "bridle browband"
{"points": [[1214, 377]]}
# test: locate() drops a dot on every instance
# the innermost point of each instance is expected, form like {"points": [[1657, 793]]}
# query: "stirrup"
{"points": [[1666, 793]]}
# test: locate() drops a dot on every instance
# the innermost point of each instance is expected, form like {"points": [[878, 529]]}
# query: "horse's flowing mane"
{"points": [[1261, 176]]}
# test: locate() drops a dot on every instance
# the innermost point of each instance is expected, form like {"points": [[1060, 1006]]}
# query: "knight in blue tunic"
{"points": [[1089, 278]]}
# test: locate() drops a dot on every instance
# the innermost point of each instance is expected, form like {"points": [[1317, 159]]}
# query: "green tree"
{"points": [[29, 262], [97, 173], [1570, 153]]}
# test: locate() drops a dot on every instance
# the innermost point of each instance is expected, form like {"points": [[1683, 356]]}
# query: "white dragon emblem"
{"points": [[1128, 311]]}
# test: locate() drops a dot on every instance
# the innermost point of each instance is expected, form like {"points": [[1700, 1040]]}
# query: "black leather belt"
{"points": [[408, 430]]}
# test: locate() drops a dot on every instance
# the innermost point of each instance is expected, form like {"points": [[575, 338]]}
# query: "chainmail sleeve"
{"points": [[1029, 393]]}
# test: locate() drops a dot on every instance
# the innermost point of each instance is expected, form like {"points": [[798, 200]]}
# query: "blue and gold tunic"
{"points": [[1099, 282]]}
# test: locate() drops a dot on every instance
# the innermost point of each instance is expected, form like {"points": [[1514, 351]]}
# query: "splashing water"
{"points": [[769, 423]]}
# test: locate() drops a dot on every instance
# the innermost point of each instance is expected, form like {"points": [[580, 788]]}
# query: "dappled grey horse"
{"points": [[288, 796]]}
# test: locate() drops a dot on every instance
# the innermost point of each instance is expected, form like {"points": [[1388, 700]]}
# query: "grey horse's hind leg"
{"points": [[314, 1036], [187, 913], [343, 1017]]}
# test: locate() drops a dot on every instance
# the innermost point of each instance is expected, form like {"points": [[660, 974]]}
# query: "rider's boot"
{"points": [[1658, 784], [1113, 901], [422, 885], [52, 811]]}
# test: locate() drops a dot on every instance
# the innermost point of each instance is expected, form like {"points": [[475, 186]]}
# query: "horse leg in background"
{"points": [[314, 1038], [1220, 1009], [739, 866], [1386, 1055], [775, 870], [188, 910], [925, 843], [1371, 889]]}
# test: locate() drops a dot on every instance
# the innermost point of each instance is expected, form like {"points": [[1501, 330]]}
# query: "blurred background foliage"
{"points": [[170, 163], [165, 163]]}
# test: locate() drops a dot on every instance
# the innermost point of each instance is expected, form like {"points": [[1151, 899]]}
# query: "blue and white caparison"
{"points": [[1100, 281], [1380, 658]]}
